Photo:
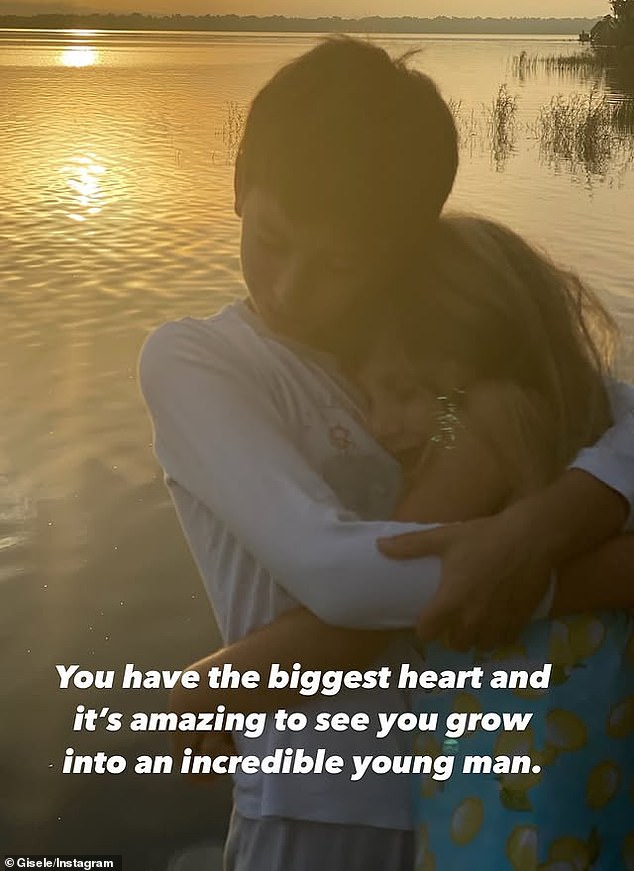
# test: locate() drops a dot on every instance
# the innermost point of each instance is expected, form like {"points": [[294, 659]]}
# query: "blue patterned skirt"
{"points": [[573, 809]]}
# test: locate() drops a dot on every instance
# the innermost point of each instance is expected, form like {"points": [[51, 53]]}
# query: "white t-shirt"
{"points": [[280, 491]]}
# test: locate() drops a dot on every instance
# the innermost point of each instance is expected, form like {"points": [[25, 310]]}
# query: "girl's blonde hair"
{"points": [[485, 301]]}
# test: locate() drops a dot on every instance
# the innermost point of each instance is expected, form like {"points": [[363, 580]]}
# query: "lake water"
{"points": [[116, 215]]}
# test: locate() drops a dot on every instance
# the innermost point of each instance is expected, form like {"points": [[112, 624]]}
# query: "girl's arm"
{"points": [[581, 510], [488, 453], [495, 459], [296, 636]]}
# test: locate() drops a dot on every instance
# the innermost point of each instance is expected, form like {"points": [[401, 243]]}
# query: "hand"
{"points": [[209, 744], [494, 576], [202, 743]]}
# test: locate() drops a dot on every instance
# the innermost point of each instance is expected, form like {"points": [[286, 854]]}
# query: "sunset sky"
{"points": [[313, 8]]}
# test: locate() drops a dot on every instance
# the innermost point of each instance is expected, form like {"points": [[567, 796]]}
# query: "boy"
{"points": [[347, 159]]}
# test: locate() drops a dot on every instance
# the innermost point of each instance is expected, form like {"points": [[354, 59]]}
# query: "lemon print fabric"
{"points": [[602, 783], [521, 848], [467, 820], [621, 718], [574, 809], [565, 730]]}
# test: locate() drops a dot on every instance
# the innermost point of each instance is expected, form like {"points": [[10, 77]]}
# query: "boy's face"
{"points": [[301, 277]]}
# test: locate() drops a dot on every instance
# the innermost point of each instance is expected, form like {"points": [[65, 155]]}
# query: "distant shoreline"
{"points": [[283, 24]]}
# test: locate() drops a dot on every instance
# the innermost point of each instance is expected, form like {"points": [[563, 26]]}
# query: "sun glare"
{"points": [[79, 56], [83, 177]]}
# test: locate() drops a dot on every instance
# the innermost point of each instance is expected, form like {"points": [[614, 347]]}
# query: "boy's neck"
{"points": [[326, 361]]}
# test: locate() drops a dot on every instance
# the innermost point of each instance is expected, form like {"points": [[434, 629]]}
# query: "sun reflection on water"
{"points": [[83, 176], [79, 56]]}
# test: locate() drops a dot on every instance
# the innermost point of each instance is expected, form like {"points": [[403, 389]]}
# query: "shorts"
{"points": [[278, 844]]}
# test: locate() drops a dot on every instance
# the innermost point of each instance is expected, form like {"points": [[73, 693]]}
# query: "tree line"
{"points": [[279, 23]]}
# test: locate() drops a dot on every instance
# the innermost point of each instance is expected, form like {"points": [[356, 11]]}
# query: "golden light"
{"points": [[83, 177], [79, 56]]}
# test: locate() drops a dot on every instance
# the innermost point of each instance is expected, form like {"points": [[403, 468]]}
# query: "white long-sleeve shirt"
{"points": [[271, 471]]}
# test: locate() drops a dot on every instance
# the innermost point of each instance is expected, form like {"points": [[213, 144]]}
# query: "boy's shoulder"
{"points": [[218, 326], [221, 343], [222, 334]]}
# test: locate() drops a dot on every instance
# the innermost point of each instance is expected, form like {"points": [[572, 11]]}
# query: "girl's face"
{"points": [[401, 397], [400, 402]]}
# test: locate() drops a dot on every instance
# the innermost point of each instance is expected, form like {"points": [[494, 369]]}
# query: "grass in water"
{"points": [[231, 131], [468, 124], [623, 118], [524, 65], [492, 127], [585, 129], [501, 125]]}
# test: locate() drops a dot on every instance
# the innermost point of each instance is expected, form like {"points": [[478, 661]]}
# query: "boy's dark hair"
{"points": [[347, 134]]}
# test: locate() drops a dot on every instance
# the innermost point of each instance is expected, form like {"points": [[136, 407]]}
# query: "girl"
{"points": [[485, 385], [484, 378]]}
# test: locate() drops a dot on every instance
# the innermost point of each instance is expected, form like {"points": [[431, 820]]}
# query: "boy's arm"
{"points": [[508, 552], [218, 433], [601, 579], [299, 636], [611, 460]]}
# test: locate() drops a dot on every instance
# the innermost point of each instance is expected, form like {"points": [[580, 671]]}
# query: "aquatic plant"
{"points": [[501, 125], [231, 130], [585, 129], [524, 65], [593, 132], [584, 63], [582, 129], [623, 117], [468, 124]]}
